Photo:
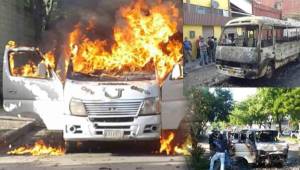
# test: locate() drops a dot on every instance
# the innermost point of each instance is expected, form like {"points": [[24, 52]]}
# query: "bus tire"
{"points": [[269, 71], [70, 146], [298, 59]]}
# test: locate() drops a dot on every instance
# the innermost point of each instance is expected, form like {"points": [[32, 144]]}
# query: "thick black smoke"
{"points": [[71, 12]]}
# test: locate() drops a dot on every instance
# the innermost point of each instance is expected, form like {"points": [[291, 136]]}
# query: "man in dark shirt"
{"points": [[187, 50], [220, 148], [211, 46], [198, 47]]}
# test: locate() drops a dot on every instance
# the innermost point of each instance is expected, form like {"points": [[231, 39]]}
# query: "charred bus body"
{"points": [[254, 47], [260, 147]]}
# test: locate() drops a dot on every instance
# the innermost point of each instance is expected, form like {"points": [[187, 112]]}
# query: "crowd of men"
{"points": [[206, 50]]}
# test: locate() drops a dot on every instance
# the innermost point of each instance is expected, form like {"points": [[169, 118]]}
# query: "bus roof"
{"points": [[259, 20]]}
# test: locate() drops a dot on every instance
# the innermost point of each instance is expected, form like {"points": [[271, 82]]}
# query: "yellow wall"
{"points": [[217, 31], [186, 33], [198, 32], [223, 4]]}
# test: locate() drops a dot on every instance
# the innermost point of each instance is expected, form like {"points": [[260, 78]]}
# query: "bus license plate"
{"points": [[231, 71], [113, 134]]}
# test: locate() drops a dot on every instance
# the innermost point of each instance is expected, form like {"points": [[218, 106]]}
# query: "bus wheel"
{"points": [[70, 146], [270, 71], [298, 59]]}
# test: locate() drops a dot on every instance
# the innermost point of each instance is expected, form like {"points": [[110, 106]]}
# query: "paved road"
{"points": [[115, 158], [94, 161], [287, 76]]}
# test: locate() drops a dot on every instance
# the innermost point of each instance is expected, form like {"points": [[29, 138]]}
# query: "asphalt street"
{"points": [[286, 76], [115, 157]]}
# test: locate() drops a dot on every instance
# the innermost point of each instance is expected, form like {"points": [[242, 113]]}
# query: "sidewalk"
{"points": [[12, 127], [197, 75]]}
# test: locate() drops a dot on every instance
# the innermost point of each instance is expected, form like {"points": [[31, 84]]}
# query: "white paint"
{"points": [[245, 5]]}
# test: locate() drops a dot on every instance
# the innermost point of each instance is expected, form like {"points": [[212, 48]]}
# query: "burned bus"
{"points": [[254, 47]]}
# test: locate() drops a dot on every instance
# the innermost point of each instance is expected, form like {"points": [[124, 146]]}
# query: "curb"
{"points": [[193, 69], [10, 136]]}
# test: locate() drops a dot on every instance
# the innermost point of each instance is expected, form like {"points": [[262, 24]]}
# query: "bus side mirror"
{"points": [[177, 72]]}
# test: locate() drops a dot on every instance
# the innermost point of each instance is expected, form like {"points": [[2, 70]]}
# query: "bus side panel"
{"points": [[286, 52]]}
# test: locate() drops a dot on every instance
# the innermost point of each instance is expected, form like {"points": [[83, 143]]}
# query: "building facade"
{"points": [[268, 8], [17, 24], [291, 9], [204, 18]]}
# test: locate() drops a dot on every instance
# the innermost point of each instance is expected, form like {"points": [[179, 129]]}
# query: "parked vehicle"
{"points": [[258, 147], [270, 149], [131, 107], [253, 47], [286, 132], [295, 134]]}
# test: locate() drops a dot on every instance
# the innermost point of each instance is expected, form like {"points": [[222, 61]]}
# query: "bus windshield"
{"points": [[240, 36]]}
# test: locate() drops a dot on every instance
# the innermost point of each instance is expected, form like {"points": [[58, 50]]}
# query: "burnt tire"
{"points": [[280, 165], [70, 146], [153, 146], [243, 165], [269, 71]]}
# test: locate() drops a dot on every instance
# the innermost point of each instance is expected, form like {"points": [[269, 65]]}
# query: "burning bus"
{"points": [[127, 93]]}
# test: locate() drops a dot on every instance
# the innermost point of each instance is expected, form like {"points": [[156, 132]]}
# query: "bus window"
{"points": [[279, 38], [292, 34], [266, 37], [240, 36]]}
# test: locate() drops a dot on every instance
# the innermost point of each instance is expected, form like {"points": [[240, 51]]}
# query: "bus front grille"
{"points": [[119, 108]]}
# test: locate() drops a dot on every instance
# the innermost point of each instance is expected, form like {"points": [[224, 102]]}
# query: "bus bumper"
{"points": [[238, 72], [137, 128]]}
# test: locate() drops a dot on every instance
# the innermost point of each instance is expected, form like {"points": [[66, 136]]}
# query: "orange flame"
{"points": [[50, 59], [168, 146], [39, 148], [143, 44], [165, 143], [31, 69]]}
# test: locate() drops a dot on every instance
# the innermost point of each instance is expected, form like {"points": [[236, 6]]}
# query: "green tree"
{"points": [[200, 102], [223, 105], [292, 105], [276, 102], [273, 100], [240, 114], [249, 112], [208, 106]]}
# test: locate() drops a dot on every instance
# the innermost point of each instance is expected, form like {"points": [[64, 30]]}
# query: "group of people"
{"points": [[206, 51]]}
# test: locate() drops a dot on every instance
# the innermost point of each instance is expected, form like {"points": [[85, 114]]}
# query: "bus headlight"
{"points": [[150, 106], [77, 108]]}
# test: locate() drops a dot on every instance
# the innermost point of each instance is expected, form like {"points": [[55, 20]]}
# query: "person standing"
{"points": [[198, 48], [220, 147], [211, 46], [203, 52], [187, 50], [215, 49]]}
